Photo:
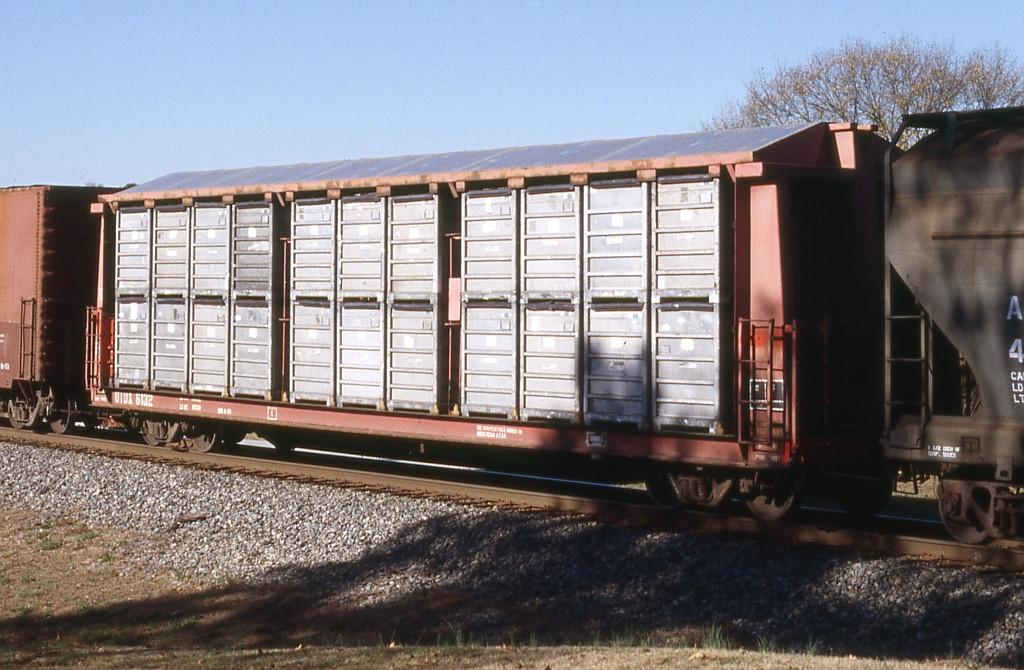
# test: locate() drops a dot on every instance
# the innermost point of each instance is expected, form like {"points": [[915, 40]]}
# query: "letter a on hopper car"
{"points": [[702, 311]]}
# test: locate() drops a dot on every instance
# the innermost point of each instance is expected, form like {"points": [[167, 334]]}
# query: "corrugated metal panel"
{"points": [[313, 249], [171, 252], [489, 244], [131, 342], [252, 251], [361, 248], [597, 151], [489, 359], [211, 247], [615, 241], [413, 248], [208, 370], [361, 369], [413, 369], [687, 365], [169, 355], [132, 271], [550, 361], [686, 235], [251, 348], [551, 243], [312, 351], [616, 367]]}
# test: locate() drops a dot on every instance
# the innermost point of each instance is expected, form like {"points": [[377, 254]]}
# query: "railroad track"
{"points": [[888, 535]]}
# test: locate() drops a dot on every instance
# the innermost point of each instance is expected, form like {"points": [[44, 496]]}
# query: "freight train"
{"points": [[731, 314]]}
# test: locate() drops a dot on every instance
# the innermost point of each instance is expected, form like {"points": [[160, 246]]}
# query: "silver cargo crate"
{"points": [[413, 248], [251, 348], [171, 270], [313, 249], [550, 258], [312, 352], [413, 370], [615, 240], [615, 364], [131, 343], [361, 247], [170, 345], [132, 256], [686, 232], [687, 366], [211, 246], [361, 354], [208, 371], [550, 361], [490, 245], [489, 367], [252, 251]]}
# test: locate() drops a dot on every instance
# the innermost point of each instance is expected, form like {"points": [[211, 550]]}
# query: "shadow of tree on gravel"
{"points": [[499, 578]]}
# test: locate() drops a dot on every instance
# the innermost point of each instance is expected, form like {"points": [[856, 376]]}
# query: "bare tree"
{"points": [[865, 83]]}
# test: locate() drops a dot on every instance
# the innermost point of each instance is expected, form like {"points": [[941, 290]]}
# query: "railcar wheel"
{"points": [[779, 501], [672, 489], [20, 415], [966, 510], [203, 439], [157, 432], [61, 420]]}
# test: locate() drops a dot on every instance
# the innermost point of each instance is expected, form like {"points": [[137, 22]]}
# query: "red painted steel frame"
{"points": [[428, 428]]}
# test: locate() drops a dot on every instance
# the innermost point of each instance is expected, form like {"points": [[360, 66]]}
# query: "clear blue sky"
{"points": [[117, 92]]}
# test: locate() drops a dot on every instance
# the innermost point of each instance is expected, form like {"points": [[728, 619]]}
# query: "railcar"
{"points": [[707, 307], [48, 245], [955, 381]]}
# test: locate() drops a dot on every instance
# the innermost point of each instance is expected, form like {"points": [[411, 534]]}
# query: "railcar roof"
{"points": [[712, 147]]}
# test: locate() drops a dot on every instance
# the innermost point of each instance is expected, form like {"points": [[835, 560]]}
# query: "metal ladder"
{"points": [[763, 410], [27, 344]]}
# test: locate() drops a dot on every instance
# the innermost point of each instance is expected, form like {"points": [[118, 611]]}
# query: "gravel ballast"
{"points": [[499, 575]]}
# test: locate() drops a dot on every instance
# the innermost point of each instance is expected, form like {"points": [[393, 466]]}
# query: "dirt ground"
{"points": [[68, 597]]}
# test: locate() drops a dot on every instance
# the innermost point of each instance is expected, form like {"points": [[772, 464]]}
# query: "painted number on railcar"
{"points": [[133, 399]]}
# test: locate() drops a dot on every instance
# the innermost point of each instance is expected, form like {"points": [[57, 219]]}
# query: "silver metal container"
{"points": [[250, 361], [252, 251], [312, 355], [615, 248], [550, 361], [615, 364], [490, 344], [211, 250], [413, 248], [413, 357], [132, 253], [131, 342], [169, 355], [550, 260], [209, 326], [490, 244], [313, 249], [361, 357], [171, 258], [687, 364], [361, 247]]}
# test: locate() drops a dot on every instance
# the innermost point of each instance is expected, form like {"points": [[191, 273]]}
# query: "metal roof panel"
{"points": [[595, 151]]}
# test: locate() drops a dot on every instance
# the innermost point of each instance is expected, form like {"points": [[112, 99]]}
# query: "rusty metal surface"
{"points": [[48, 248], [660, 151]]}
